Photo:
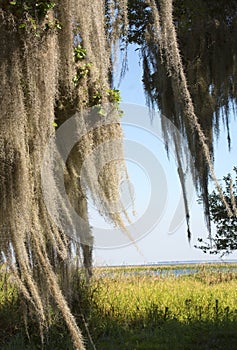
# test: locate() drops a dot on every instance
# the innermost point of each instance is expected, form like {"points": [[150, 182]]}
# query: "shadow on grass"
{"points": [[172, 335], [151, 328], [110, 334]]}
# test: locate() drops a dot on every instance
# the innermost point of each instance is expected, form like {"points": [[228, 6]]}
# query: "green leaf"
{"points": [[102, 112], [79, 52], [58, 26]]}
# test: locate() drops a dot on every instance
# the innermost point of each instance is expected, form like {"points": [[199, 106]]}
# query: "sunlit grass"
{"points": [[203, 296], [164, 311], [145, 308]]}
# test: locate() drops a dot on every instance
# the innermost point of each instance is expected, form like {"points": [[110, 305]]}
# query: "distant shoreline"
{"points": [[172, 263]]}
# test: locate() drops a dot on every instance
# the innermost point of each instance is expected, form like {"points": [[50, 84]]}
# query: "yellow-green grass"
{"points": [[145, 311], [128, 298], [135, 309]]}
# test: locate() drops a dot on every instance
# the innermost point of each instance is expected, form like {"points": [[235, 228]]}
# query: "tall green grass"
{"points": [[147, 311], [127, 310]]}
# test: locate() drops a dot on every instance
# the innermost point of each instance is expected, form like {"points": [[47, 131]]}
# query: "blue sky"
{"points": [[158, 244]]}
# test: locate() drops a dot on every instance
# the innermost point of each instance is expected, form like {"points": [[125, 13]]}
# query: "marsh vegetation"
{"points": [[132, 308]]}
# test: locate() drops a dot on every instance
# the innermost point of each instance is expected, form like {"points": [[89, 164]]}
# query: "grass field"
{"points": [[135, 308]]}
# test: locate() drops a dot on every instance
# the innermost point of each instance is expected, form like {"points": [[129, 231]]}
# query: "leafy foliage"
{"points": [[225, 240], [79, 53], [31, 14], [36, 9]]}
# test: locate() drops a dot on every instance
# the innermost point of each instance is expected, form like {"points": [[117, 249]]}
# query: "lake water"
{"points": [[180, 268]]}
